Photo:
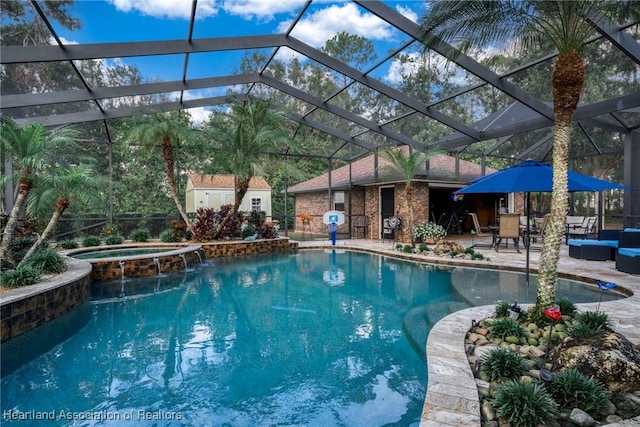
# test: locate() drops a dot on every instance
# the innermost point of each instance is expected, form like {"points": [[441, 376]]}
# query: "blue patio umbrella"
{"points": [[533, 176]]}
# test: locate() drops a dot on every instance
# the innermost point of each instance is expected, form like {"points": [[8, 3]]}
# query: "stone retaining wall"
{"points": [[24, 309], [238, 248]]}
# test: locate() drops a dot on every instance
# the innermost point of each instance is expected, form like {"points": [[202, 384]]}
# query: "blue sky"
{"points": [[143, 20], [105, 21]]}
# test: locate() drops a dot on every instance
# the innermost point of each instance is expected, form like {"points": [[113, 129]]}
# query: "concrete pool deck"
{"points": [[452, 397]]}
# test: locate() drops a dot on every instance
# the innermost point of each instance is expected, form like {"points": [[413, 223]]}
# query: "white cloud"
{"points": [[63, 40], [198, 115], [261, 9], [167, 8], [407, 13], [321, 26]]}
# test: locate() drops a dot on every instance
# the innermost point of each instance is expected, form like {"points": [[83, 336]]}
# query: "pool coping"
{"points": [[452, 397]]}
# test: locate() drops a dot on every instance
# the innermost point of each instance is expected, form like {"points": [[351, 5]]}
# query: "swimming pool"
{"points": [[314, 338]]}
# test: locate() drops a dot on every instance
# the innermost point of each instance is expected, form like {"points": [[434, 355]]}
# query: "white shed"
{"points": [[213, 191]]}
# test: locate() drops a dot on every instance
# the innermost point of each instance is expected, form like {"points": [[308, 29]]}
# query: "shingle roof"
{"points": [[226, 181], [442, 168]]}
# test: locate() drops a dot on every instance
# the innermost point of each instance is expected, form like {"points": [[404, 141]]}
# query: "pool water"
{"points": [[315, 338]]}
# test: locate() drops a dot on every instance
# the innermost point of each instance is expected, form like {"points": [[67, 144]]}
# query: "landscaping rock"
{"points": [[444, 247], [610, 358], [581, 418]]}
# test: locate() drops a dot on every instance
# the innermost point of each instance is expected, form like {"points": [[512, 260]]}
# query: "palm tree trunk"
{"points": [[567, 83], [12, 221], [408, 195], [61, 206], [168, 156]]}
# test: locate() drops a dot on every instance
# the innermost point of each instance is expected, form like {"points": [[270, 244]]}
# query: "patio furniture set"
{"points": [[621, 246]]}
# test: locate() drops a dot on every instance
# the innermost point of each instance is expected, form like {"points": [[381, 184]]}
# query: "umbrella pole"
{"points": [[528, 243]]}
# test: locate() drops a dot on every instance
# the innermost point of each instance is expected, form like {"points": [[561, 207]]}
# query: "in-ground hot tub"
{"points": [[137, 259]]}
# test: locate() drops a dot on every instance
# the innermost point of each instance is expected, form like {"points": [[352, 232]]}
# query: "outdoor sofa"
{"points": [[608, 246], [628, 256], [605, 248]]}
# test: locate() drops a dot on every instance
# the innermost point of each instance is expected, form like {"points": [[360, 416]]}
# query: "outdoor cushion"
{"points": [[595, 250], [628, 260], [632, 252], [581, 242], [632, 230]]}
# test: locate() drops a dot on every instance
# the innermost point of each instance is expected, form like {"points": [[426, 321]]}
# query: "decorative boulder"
{"points": [[444, 247], [608, 357]]}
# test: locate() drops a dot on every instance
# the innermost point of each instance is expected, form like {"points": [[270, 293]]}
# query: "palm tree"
{"points": [[60, 189], [408, 164], [567, 25], [28, 150], [245, 139], [166, 130]]}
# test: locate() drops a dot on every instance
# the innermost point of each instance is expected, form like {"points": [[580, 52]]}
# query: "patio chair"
{"points": [[586, 230], [538, 233], [509, 229], [480, 231], [360, 223]]}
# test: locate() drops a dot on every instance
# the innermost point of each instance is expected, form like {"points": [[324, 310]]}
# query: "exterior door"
{"points": [[387, 205]]}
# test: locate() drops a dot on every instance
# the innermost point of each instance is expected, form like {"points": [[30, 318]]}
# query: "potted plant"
{"points": [[430, 232]]}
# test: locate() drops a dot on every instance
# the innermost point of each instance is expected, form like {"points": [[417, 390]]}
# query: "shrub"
{"points": [[23, 275], [268, 230], [139, 235], [429, 231], [109, 230], [502, 308], [507, 327], [399, 247], [233, 226], [407, 249], [590, 322], [68, 244], [167, 236], [114, 240], [248, 230], [18, 247], [573, 389], [501, 364], [423, 247], [525, 404], [91, 241], [566, 306], [257, 218], [203, 225], [179, 231], [47, 261]]}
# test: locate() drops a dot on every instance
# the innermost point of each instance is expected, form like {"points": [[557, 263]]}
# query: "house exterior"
{"points": [[213, 191], [368, 190]]}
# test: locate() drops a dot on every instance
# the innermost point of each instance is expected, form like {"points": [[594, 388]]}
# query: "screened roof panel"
{"points": [[168, 55], [216, 64], [107, 22], [38, 77]]}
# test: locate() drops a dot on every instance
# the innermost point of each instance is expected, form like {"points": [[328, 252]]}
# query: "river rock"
{"points": [[581, 418], [609, 357]]}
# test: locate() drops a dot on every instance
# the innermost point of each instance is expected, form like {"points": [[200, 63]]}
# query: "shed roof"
{"points": [[226, 181]]}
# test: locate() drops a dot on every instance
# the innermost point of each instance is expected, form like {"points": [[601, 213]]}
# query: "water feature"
{"points": [[258, 340], [184, 259], [156, 260], [121, 263]]}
